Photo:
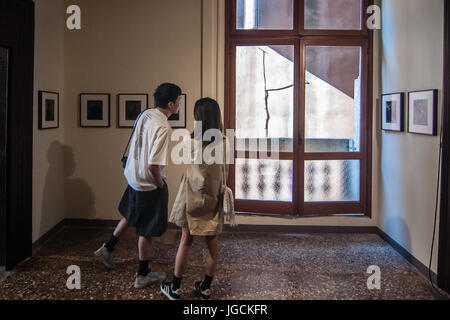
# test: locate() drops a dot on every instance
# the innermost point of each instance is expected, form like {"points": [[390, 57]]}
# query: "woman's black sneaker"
{"points": [[166, 289], [205, 294]]}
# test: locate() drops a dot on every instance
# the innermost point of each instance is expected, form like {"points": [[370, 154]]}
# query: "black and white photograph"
{"points": [[129, 108], [422, 112], [48, 116], [178, 120], [392, 112], [95, 110]]}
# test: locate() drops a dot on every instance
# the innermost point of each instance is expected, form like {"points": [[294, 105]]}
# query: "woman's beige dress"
{"points": [[198, 205]]}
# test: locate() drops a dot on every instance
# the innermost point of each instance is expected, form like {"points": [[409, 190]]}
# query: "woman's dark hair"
{"points": [[165, 93], [207, 111]]}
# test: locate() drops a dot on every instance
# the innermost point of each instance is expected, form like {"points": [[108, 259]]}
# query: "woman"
{"points": [[198, 206]]}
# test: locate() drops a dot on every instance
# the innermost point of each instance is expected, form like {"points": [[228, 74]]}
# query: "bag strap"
{"points": [[134, 128], [224, 166]]}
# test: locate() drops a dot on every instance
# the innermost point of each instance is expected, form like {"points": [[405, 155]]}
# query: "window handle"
{"points": [[300, 139]]}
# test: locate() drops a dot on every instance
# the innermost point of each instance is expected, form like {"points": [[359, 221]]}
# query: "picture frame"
{"points": [[178, 121], [48, 113], [129, 106], [393, 112], [95, 110], [422, 112]]}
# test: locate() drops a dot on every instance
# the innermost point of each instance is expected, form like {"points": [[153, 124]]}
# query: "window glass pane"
{"points": [[264, 14], [266, 180], [265, 97], [333, 99], [334, 180], [333, 14]]}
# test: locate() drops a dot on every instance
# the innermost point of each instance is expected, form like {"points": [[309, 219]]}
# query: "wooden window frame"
{"points": [[300, 38]]}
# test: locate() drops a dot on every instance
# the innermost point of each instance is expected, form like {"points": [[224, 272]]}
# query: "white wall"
{"points": [[123, 47], [412, 59], [48, 145], [132, 46], [126, 46]]}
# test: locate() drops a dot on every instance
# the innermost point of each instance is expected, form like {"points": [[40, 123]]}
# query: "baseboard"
{"points": [[48, 235], [423, 269], [97, 223], [298, 229], [92, 223]]}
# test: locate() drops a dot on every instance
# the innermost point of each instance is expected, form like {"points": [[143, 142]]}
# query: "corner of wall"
{"points": [[48, 145]]}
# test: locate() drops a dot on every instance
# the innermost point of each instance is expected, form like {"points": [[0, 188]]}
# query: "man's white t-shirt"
{"points": [[149, 145]]}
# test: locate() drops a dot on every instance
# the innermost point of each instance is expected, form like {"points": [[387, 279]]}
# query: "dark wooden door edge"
{"points": [[17, 34], [443, 278]]}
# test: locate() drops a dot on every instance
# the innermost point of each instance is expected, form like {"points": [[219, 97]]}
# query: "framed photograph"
{"points": [[94, 110], [422, 112], [393, 112], [129, 108], [48, 110], [179, 120]]}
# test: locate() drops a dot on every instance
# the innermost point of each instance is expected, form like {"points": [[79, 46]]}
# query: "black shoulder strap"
{"points": [[129, 140]]}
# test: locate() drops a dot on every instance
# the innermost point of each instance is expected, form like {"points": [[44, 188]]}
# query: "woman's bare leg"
{"points": [[183, 253], [213, 255]]}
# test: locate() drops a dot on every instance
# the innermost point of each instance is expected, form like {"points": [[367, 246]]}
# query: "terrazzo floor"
{"points": [[252, 266]]}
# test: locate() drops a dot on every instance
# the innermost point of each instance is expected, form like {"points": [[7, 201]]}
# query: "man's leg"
{"points": [[104, 254], [145, 254], [145, 277], [121, 227], [118, 232]]}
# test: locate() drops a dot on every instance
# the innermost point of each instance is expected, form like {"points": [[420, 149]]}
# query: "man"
{"points": [[144, 204]]}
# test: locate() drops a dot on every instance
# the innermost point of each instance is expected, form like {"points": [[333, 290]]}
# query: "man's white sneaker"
{"points": [[151, 278], [105, 257]]}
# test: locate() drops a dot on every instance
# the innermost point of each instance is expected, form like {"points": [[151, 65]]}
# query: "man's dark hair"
{"points": [[165, 93]]}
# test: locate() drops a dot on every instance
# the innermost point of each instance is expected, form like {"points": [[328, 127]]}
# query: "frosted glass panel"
{"points": [[333, 14], [269, 180], [265, 95], [333, 99], [264, 14], [334, 180]]}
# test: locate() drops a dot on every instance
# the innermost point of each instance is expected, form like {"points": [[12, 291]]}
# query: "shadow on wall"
{"points": [[53, 193], [64, 196], [79, 197]]}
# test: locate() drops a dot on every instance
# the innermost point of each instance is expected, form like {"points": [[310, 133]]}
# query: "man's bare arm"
{"points": [[156, 173]]}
